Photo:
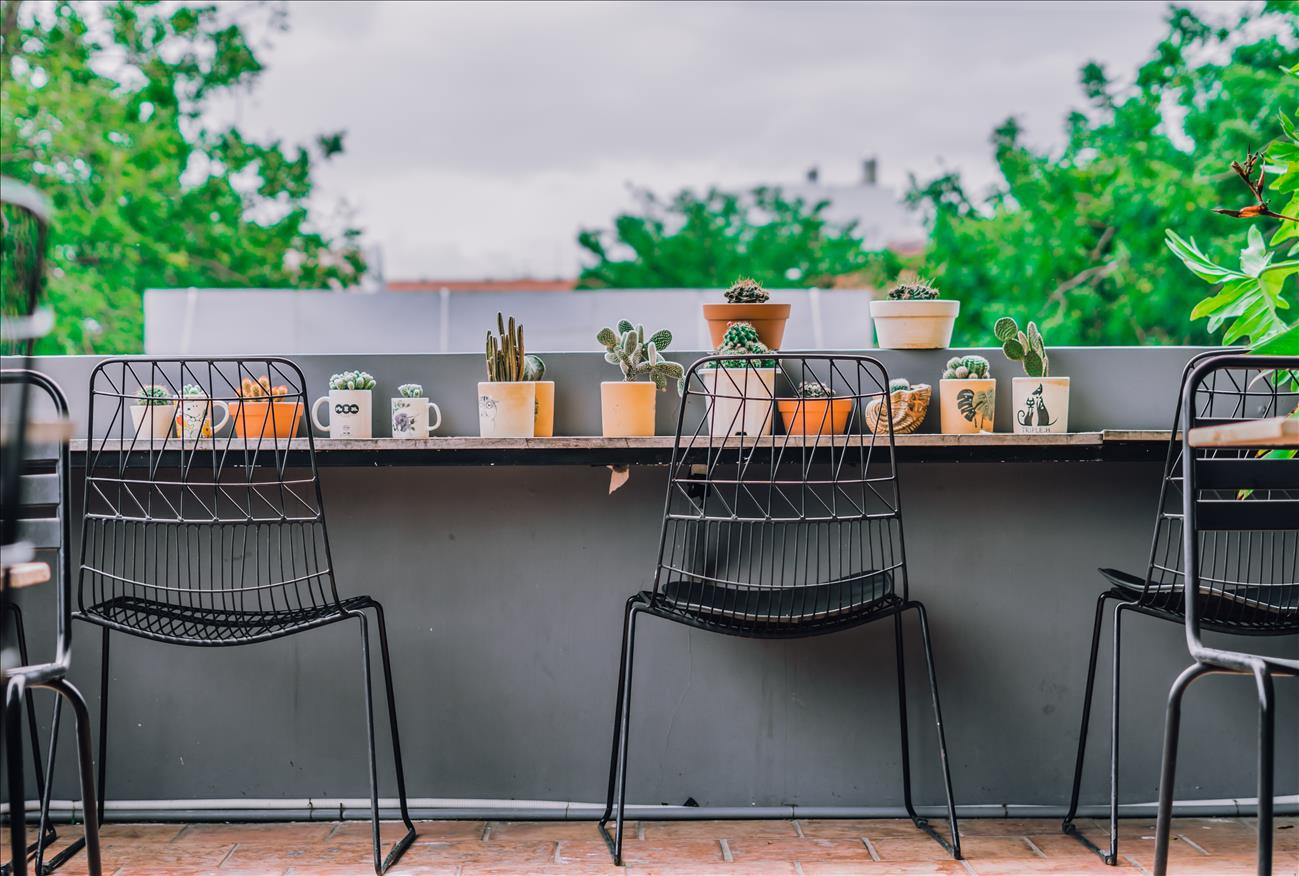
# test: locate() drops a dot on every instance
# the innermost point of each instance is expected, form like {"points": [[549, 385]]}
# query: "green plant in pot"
{"points": [[350, 406], [153, 412], [627, 405], [747, 302], [741, 390], [967, 401], [514, 401], [1040, 401], [914, 316]]}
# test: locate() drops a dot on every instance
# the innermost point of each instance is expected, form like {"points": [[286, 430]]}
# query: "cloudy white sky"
{"points": [[481, 137]]}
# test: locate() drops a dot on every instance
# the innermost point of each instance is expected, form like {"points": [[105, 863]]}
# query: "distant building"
{"points": [[882, 219]]}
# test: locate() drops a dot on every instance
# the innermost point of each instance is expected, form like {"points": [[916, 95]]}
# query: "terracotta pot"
{"points": [[740, 400], [1040, 405], [267, 419], [507, 408], [627, 408], [153, 421], [544, 427], [967, 406], [914, 325], [768, 319], [815, 416]]}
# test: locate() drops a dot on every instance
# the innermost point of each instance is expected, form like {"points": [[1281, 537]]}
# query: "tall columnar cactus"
{"points": [[966, 368], [747, 290], [1027, 347], [741, 339], [153, 395], [351, 380], [638, 356], [411, 390], [506, 358]]}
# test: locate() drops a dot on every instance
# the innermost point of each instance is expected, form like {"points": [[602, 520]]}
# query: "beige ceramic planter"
{"points": [[1041, 405], [767, 319], [627, 408], [507, 409], [914, 325], [544, 427], [154, 421], [741, 401], [967, 406]]}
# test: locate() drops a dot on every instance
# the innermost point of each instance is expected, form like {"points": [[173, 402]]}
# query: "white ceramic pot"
{"points": [[153, 421], [194, 420], [349, 413], [967, 406], [410, 417], [507, 409], [1041, 405], [914, 325], [740, 401]]}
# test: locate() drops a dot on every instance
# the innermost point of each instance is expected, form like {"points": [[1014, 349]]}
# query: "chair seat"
{"points": [[1243, 609], [195, 625], [775, 610]]}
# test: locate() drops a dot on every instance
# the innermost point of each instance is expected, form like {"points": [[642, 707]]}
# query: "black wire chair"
{"points": [[1247, 585], [41, 513], [206, 540], [1247, 499], [780, 535]]}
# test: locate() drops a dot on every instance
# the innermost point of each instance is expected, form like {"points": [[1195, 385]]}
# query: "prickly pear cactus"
{"points": [[1027, 347], [638, 356]]}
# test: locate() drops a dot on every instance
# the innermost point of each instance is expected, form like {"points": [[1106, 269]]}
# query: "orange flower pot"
{"points": [[767, 319], [815, 416], [266, 419]]}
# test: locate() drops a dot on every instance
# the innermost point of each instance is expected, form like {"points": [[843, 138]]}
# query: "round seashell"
{"points": [[909, 409]]}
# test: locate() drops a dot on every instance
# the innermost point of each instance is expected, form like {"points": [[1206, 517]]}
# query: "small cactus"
{"points": [[411, 390], [153, 395], [1027, 347], [638, 356], [260, 388], [746, 290], [918, 290], [351, 380], [966, 368], [506, 357], [813, 389], [741, 339], [898, 384], [193, 390]]}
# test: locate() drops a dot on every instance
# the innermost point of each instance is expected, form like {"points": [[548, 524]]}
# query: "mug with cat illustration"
{"points": [[1041, 405]]}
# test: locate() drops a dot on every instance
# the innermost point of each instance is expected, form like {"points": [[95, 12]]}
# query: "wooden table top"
{"points": [[1270, 432], [22, 575]]}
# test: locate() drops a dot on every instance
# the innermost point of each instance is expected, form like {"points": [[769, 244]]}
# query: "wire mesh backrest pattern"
{"points": [[192, 506], [1247, 504], [784, 507]]}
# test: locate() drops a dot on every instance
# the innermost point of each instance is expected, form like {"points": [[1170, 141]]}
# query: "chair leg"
{"points": [[1266, 729], [103, 725], [1067, 825], [404, 843], [13, 733], [1112, 857], [955, 846], [45, 831], [1168, 767], [86, 769], [617, 717], [900, 660], [619, 783]]}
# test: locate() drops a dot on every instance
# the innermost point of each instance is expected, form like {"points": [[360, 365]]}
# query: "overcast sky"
{"points": [[481, 137]]}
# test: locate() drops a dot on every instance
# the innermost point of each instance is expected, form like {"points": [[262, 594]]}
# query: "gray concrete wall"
{"points": [[504, 590]]}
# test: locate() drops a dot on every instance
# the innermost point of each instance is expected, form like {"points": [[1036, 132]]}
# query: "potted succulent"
{"points": [[908, 404], [627, 405], [507, 400], [967, 396], [350, 406], [153, 412], [1041, 402], [194, 417], [410, 413], [814, 411], [263, 411], [914, 317], [741, 390], [747, 301]]}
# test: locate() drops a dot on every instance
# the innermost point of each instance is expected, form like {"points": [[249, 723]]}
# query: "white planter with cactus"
{"points": [[350, 406], [627, 405], [913, 317], [153, 413], [967, 396], [411, 413], [741, 392], [1041, 402], [507, 399]]}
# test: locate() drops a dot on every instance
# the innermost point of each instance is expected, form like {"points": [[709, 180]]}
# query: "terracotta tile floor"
{"points": [[993, 847]]}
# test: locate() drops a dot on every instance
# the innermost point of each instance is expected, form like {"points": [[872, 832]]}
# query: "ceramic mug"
{"points": [[349, 413], [194, 417], [410, 417]]}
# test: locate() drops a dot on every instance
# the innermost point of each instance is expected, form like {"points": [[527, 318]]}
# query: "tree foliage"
{"points": [[104, 110], [1075, 239], [697, 241]]}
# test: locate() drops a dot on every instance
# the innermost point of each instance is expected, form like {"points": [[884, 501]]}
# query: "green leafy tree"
{"points": [[698, 241], [1075, 239], [104, 111]]}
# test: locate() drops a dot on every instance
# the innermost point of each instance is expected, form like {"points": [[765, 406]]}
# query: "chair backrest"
{"points": [[188, 523], [770, 491], [42, 508], [1245, 504]]}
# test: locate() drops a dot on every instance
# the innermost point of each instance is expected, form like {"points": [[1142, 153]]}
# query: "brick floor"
{"points": [[993, 847]]}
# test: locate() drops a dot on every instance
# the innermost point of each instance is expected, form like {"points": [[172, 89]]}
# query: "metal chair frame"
{"points": [[194, 584], [1228, 604], [727, 562]]}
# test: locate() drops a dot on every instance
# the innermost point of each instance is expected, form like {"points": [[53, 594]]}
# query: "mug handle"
{"points": [[225, 414], [438, 413], [315, 413]]}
